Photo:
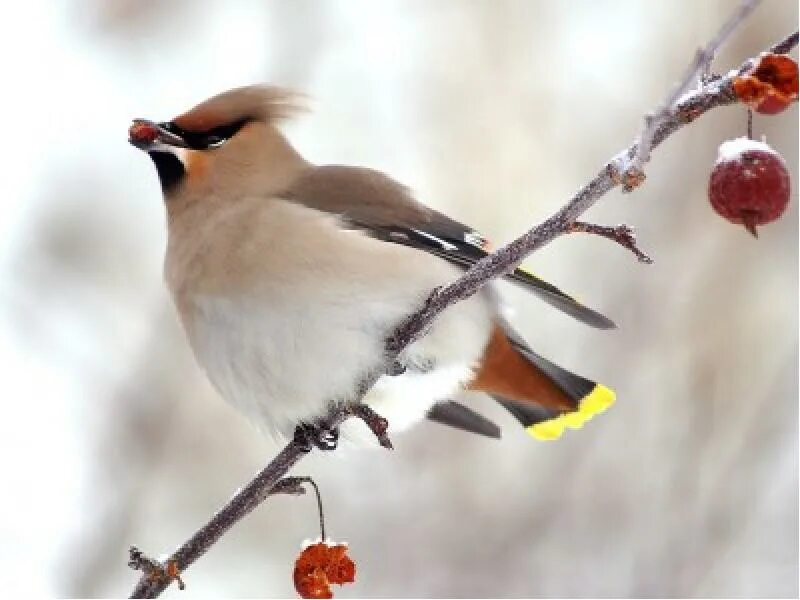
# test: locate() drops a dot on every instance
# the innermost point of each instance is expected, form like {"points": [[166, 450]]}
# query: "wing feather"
{"points": [[371, 201]]}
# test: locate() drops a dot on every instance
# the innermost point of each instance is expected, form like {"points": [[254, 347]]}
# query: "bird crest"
{"points": [[264, 103]]}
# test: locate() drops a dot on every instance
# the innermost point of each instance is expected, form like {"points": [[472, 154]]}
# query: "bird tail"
{"points": [[542, 396]]}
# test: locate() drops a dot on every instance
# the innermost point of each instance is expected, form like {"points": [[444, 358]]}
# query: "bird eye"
{"points": [[171, 127], [213, 138]]}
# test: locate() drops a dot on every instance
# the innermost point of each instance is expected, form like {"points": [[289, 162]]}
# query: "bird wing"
{"points": [[371, 201]]}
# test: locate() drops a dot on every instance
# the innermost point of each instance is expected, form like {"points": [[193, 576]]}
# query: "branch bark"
{"points": [[624, 169]]}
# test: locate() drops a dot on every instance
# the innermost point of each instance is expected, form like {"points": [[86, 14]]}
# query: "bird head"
{"points": [[227, 145]]}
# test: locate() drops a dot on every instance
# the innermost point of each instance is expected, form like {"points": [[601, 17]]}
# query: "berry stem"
{"points": [[319, 508], [294, 485]]}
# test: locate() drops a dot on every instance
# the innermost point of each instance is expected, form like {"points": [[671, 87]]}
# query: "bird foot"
{"points": [[396, 368], [309, 436]]}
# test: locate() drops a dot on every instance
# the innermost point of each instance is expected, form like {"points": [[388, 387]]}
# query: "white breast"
{"points": [[303, 308]]}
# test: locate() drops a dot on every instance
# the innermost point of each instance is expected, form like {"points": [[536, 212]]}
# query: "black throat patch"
{"points": [[171, 171]]}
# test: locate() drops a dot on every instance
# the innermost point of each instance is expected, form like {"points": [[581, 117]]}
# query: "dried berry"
{"points": [[749, 184], [770, 86], [320, 565]]}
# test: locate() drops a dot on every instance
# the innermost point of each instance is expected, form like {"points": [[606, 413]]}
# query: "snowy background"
{"points": [[494, 112]]}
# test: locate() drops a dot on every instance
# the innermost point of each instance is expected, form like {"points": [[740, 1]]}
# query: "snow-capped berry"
{"points": [[770, 86], [749, 184]]}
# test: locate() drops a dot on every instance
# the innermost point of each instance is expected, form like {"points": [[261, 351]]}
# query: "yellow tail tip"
{"points": [[598, 400]]}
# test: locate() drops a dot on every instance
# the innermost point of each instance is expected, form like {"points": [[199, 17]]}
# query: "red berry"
{"points": [[770, 86], [318, 566], [142, 133], [749, 184]]}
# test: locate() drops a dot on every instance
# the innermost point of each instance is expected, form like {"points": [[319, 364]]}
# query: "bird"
{"points": [[288, 277]]}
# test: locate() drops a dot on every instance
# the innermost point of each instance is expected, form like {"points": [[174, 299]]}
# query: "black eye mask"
{"points": [[205, 140]]}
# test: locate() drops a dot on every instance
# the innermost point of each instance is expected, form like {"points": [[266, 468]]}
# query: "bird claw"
{"points": [[313, 435], [396, 368], [309, 436]]}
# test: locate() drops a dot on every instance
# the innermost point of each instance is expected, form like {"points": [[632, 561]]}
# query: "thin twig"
{"points": [[294, 487], [700, 65], [291, 486], [621, 234], [786, 45], [709, 95]]}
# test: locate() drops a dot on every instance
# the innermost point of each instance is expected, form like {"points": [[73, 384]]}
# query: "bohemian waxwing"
{"points": [[288, 277]]}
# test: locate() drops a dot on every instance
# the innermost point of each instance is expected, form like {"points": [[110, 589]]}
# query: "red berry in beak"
{"points": [[142, 133], [749, 184]]}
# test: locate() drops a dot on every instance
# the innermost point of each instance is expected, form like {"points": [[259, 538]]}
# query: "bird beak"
{"points": [[152, 137]]}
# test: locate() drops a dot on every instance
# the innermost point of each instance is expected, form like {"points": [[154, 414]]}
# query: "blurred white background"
{"points": [[495, 112]]}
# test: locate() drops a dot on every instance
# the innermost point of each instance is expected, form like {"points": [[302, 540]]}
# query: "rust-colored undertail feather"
{"points": [[505, 372], [542, 396]]}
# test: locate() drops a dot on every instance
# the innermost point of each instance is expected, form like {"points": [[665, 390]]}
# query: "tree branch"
{"points": [[624, 169], [786, 45], [621, 234], [698, 67]]}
